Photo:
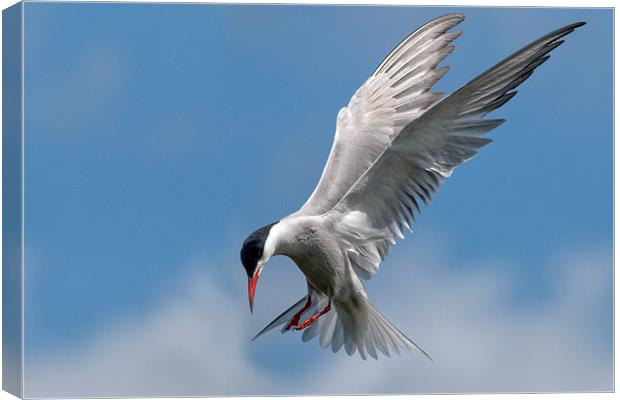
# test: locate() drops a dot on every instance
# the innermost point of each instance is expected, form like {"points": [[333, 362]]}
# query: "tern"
{"points": [[395, 143]]}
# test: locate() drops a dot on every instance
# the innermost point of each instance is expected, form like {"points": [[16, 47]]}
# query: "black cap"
{"points": [[252, 249]]}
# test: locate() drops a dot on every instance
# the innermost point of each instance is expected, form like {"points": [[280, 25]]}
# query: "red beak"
{"points": [[252, 288]]}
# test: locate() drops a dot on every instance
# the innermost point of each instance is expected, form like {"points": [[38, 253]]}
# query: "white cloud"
{"points": [[482, 343], [196, 342]]}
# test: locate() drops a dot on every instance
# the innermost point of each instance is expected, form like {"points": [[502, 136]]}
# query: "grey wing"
{"points": [[387, 197], [396, 93]]}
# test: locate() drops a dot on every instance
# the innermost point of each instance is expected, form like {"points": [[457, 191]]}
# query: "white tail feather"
{"points": [[356, 325]]}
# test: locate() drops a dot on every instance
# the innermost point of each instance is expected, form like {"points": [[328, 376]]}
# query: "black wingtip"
{"points": [[568, 29], [565, 30], [573, 26]]}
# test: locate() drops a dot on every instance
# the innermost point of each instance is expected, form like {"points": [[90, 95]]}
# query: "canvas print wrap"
{"points": [[367, 177]]}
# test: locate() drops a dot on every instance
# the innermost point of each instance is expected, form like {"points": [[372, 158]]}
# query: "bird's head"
{"points": [[255, 253]]}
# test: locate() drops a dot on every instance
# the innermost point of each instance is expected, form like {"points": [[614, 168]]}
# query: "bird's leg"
{"points": [[296, 317], [313, 318]]}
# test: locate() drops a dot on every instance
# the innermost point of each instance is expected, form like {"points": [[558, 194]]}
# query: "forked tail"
{"points": [[354, 325]]}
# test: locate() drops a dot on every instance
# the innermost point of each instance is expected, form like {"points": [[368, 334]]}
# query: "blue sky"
{"points": [[158, 136]]}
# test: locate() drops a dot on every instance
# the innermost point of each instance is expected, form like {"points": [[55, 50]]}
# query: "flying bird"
{"points": [[395, 143]]}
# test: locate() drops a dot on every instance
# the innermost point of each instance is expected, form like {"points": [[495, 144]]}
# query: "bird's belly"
{"points": [[314, 249], [324, 269]]}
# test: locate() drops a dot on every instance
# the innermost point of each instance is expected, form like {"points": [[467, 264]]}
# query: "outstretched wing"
{"points": [[387, 197], [396, 93]]}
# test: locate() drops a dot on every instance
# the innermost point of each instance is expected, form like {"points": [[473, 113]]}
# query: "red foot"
{"points": [[297, 316], [313, 318]]}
